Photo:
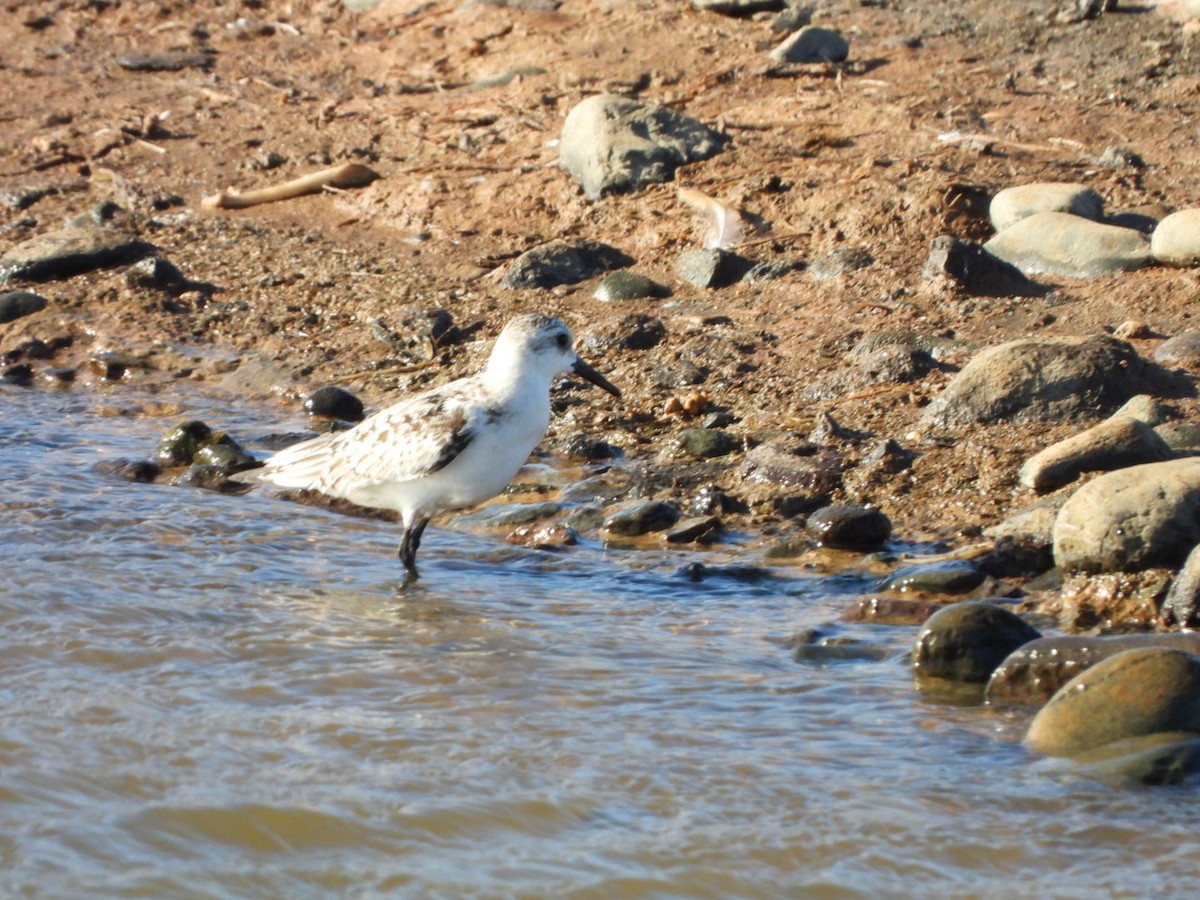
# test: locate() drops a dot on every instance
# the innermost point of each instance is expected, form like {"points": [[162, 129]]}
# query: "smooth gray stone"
{"points": [[1115, 443], [611, 143], [707, 443], [1042, 380], [1131, 519], [1181, 606], [1176, 240], [966, 641], [946, 576], [1182, 351], [506, 515], [1013, 204], [18, 304], [626, 285], [812, 44], [711, 268], [1032, 674], [562, 262], [1130, 694], [71, 251], [1055, 243]]}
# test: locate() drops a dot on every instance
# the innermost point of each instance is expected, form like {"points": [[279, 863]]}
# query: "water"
{"points": [[209, 696]]}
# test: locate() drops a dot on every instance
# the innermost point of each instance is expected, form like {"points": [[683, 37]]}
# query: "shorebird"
{"points": [[450, 447]]}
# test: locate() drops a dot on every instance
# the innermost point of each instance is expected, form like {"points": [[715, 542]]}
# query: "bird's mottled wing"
{"points": [[405, 441]]}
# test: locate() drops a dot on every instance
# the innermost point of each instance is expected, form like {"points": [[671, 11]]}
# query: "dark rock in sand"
{"points": [[626, 285], [812, 44], [582, 446], [166, 61], [70, 251], [641, 518], [945, 576], [208, 478], [738, 7], [711, 268], [707, 443], [850, 527], [332, 402], [17, 304], [562, 262], [611, 143], [967, 641], [839, 262], [1033, 673], [226, 456], [543, 536], [1043, 380], [976, 271], [1131, 694]]}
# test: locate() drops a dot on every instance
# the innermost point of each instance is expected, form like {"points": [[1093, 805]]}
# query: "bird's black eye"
{"points": [[564, 342]]}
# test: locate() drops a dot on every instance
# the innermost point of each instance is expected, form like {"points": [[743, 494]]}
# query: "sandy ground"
{"points": [[940, 105]]}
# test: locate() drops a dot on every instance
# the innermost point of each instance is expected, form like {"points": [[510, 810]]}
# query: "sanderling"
{"points": [[452, 446]]}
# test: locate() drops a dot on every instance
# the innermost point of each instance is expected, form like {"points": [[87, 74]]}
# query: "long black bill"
{"points": [[587, 373]]}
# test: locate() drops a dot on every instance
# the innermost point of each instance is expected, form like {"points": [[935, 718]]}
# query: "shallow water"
{"points": [[207, 695]]}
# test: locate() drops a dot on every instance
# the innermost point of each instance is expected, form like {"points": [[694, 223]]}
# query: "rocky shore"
{"points": [[869, 276]]}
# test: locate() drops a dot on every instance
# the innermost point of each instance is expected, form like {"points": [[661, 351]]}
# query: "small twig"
{"points": [[343, 176]]}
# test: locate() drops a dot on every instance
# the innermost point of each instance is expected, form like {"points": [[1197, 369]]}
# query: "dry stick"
{"points": [[346, 175]]}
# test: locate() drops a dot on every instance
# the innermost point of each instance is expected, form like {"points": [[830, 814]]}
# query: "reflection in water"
{"points": [[212, 696]]}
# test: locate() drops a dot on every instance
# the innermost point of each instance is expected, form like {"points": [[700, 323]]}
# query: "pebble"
{"points": [[180, 443], [626, 285], [707, 443], [641, 518], [562, 262], [811, 477], [1131, 519], [582, 446], [850, 527], [839, 262], [967, 641], [1116, 443], [1181, 607], [1032, 674], [976, 271], [711, 268], [1131, 694], [611, 144], [693, 530], [812, 44], [1041, 380], [1056, 243], [1180, 352], [332, 402], [70, 251], [166, 61], [946, 576], [17, 304], [1013, 204], [1176, 240]]}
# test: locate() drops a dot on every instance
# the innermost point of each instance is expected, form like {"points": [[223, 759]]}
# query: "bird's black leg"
{"points": [[410, 543]]}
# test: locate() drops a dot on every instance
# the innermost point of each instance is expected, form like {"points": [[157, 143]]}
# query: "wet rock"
{"points": [[1055, 243], [507, 515], [610, 143], [1033, 673], [625, 285], [694, 530], [1111, 602], [711, 268], [850, 527], [562, 262], [641, 518], [1182, 604], [20, 375], [208, 478], [1131, 519], [707, 443], [1131, 694], [890, 611], [946, 576], [1041, 380], [166, 61], [967, 641], [1116, 443], [17, 304], [1164, 758], [710, 500], [747, 574], [140, 471], [812, 44], [976, 271], [226, 455], [332, 402], [839, 262], [1013, 204], [816, 645], [543, 536], [1180, 352], [70, 251], [179, 445], [582, 446], [1176, 240], [888, 457], [808, 478]]}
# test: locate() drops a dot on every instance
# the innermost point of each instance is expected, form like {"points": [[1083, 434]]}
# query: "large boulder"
{"points": [[1056, 243]]}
